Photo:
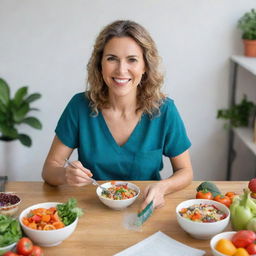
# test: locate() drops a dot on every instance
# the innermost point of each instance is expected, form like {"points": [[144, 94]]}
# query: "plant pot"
{"points": [[250, 48]]}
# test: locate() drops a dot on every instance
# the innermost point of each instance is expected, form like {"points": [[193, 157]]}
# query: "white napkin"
{"points": [[161, 245]]}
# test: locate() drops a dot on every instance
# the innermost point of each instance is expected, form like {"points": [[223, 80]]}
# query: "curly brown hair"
{"points": [[149, 96]]}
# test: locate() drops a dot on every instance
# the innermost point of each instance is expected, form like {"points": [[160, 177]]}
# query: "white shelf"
{"points": [[248, 63], [246, 135]]}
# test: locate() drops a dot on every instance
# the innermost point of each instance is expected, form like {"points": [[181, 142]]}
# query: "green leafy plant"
{"points": [[239, 114], [247, 23], [14, 112]]}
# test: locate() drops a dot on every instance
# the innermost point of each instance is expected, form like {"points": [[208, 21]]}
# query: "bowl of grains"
{"points": [[202, 218], [118, 194], [9, 203]]}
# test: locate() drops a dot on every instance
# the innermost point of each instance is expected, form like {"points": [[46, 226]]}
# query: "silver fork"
{"points": [[94, 182]]}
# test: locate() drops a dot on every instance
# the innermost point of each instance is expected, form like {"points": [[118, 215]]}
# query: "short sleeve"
{"points": [[176, 140], [67, 127]]}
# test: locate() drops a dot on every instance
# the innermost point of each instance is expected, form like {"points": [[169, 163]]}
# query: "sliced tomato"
{"points": [[49, 227]]}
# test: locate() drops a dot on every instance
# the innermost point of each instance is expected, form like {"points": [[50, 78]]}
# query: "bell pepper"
{"points": [[242, 210]]}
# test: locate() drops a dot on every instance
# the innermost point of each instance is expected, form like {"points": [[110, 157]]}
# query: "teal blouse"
{"points": [[140, 158]]}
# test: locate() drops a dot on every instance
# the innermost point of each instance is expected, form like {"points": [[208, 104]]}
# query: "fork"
{"points": [[94, 182]]}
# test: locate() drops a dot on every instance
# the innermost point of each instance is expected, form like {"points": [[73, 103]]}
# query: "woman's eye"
{"points": [[111, 58], [133, 60]]}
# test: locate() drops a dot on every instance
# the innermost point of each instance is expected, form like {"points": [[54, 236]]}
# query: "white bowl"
{"points": [[10, 209], [202, 230], [215, 239], [46, 238], [117, 204], [7, 248]]}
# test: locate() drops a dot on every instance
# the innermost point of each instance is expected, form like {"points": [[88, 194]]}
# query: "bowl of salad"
{"points": [[118, 194], [49, 224], [202, 218]]}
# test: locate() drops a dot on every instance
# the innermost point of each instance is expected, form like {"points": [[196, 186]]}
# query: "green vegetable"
{"points": [[68, 212], [242, 210], [252, 224], [209, 186], [10, 230]]}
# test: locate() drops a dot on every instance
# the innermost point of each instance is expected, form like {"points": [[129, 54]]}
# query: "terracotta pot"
{"points": [[250, 48]]}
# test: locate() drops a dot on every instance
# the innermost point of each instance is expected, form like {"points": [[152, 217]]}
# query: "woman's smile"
{"points": [[122, 66]]}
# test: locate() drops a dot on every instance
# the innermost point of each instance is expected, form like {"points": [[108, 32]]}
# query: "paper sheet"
{"points": [[161, 245]]}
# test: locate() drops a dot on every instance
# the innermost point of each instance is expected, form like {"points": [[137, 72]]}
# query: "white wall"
{"points": [[46, 44]]}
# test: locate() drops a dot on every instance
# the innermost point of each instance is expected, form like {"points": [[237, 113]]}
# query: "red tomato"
{"points": [[24, 246], [230, 195], [204, 194], [251, 248], [36, 251], [223, 199], [243, 238]]}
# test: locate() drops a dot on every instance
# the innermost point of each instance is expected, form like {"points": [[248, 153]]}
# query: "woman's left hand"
{"points": [[155, 193]]}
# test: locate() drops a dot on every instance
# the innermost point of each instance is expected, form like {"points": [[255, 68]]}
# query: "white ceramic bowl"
{"points": [[201, 230], [117, 204], [9, 209], [215, 239], [46, 238], [7, 248]]}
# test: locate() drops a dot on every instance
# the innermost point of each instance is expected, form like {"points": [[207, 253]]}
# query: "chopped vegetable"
{"points": [[119, 192], [68, 212], [202, 213], [10, 230], [43, 219]]}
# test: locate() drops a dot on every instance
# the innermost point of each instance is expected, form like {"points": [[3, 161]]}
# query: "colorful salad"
{"points": [[119, 192], [202, 213], [53, 218]]}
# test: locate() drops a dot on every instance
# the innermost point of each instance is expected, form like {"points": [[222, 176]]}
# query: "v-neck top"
{"points": [[140, 158]]}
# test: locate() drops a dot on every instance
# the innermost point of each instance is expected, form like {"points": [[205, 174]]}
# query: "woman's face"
{"points": [[122, 66]]}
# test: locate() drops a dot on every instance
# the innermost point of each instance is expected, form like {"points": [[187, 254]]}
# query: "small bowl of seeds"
{"points": [[9, 203]]}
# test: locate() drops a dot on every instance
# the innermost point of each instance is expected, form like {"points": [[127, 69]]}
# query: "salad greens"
{"points": [[68, 212], [10, 230]]}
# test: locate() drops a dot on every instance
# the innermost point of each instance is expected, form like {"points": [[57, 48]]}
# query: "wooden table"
{"points": [[100, 230]]}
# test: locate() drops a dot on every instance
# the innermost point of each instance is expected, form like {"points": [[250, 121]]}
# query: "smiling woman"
{"points": [[123, 124]]}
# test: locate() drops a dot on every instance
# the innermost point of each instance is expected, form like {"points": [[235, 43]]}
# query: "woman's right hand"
{"points": [[79, 176]]}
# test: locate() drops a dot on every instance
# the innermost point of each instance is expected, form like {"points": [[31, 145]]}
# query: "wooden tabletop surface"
{"points": [[101, 230]]}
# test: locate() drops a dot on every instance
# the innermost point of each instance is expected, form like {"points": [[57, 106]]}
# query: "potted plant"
{"points": [[247, 23], [239, 114], [14, 112]]}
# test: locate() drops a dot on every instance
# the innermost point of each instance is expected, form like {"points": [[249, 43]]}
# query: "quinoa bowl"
{"points": [[203, 229]]}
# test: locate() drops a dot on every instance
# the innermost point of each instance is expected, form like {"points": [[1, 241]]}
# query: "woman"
{"points": [[122, 125]]}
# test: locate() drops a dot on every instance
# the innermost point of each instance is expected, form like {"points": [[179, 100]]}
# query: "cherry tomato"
{"points": [[223, 199], [204, 194], [24, 246], [36, 251], [231, 195], [251, 248]]}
